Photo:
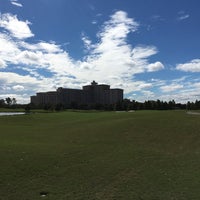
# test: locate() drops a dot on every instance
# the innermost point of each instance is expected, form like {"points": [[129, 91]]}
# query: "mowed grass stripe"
{"points": [[100, 155]]}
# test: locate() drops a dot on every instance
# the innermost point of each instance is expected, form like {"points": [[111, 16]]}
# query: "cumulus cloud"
{"points": [[29, 58], [192, 66], [140, 57], [17, 28], [112, 56], [8, 50], [111, 60], [155, 67], [8, 46]]}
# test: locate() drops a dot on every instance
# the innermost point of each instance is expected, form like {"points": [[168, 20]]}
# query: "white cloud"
{"points": [[94, 22], [10, 77], [181, 90], [140, 57], [142, 52], [16, 3], [7, 46], [46, 47], [30, 58], [87, 42], [2, 64], [8, 50], [155, 67], [112, 56], [18, 87], [182, 15], [148, 95], [171, 88], [130, 86], [115, 31], [18, 29], [145, 85], [192, 66]]}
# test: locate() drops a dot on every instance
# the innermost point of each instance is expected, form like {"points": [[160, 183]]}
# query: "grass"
{"points": [[144, 155], [11, 110]]}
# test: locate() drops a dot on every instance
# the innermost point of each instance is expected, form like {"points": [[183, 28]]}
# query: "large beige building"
{"points": [[88, 95]]}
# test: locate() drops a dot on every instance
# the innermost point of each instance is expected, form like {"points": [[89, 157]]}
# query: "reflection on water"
{"points": [[11, 113]]}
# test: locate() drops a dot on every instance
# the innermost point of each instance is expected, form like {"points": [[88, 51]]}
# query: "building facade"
{"points": [[88, 95]]}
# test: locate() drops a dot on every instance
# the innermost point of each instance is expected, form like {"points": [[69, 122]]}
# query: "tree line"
{"points": [[8, 102], [126, 105]]}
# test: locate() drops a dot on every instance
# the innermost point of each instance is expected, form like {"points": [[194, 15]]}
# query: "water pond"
{"points": [[11, 113]]}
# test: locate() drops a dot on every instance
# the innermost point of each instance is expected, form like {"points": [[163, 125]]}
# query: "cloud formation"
{"points": [[43, 66], [155, 67], [192, 66], [17, 28], [112, 59]]}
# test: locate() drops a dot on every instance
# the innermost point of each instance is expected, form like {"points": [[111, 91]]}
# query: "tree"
{"points": [[172, 104], [9, 101], [2, 102], [126, 104], [14, 101], [28, 108]]}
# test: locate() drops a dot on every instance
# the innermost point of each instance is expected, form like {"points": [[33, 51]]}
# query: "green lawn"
{"points": [[143, 155]]}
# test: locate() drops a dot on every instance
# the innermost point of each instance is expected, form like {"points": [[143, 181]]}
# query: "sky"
{"points": [[149, 48]]}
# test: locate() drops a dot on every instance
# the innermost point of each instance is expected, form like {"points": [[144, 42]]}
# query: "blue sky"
{"points": [[149, 48]]}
